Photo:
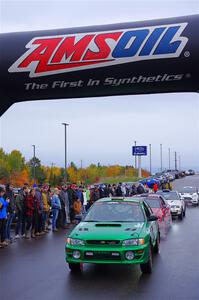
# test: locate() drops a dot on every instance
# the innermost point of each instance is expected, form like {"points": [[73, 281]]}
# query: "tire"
{"points": [[181, 216], [156, 248], [75, 268], [148, 267]]}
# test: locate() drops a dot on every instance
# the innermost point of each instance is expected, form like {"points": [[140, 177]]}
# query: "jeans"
{"points": [[55, 213], [29, 223], [37, 222], [67, 221], [20, 226], [44, 220], [8, 226], [2, 230]]}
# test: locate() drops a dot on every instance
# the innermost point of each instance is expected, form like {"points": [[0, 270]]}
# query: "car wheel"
{"points": [[75, 268], [181, 216], [156, 248], [147, 268]]}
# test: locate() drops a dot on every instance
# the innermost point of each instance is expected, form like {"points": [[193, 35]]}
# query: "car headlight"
{"points": [[75, 242], [133, 242]]}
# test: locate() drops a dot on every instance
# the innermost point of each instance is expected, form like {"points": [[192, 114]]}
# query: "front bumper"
{"points": [[110, 255], [190, 200], [176, 212]]}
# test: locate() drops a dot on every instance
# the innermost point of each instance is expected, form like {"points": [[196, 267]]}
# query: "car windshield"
{"points": [[153, 203], [115, 212], [188, 189], [171, 196]]}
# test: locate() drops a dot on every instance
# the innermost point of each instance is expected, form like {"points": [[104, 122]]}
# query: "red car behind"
{"points": [[161, 209]]}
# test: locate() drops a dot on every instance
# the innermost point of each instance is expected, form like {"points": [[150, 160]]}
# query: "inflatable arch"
{"points": [[158, 56]]}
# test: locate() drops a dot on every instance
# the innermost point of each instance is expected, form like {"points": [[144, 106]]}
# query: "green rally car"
{"points": [[115, 230]]}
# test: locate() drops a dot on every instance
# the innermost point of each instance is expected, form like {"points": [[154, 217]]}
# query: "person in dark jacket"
{"points": [[163, 185], [95, 194], [101, 192], [30, 201], [62, 217], [107, 191], [133, 189], [10, 211], [71, 198], [119, 190], [38, 213], [140, 189], [20, 212]]}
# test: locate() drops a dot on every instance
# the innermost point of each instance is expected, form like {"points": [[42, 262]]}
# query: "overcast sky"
{"points": [[101, 129]]}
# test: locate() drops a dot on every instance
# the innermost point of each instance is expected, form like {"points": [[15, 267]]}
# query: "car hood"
{"points": [[107, 230], [187, 194], [174, 202]]}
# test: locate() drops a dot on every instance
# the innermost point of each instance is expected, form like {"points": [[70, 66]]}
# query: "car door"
{"points": [[153, 225], [166, 211]]}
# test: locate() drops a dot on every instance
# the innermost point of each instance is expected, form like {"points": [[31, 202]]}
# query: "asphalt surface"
{"points": [[36, 269]]}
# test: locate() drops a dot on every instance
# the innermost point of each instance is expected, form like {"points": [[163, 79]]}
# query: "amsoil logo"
{"points": [[67, 53]]}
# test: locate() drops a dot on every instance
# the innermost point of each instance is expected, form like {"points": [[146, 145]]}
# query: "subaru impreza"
{"points": [[114, 231]]}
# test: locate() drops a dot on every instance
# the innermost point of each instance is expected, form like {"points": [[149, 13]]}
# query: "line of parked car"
{"points": [[166, 176]]}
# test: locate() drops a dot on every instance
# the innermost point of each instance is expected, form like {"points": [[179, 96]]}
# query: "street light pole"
{"points": [[179, 162], [176, 167], [161, 157], [65, 146], [135, 156], [150, 158], [34, 173], [169, 159]]}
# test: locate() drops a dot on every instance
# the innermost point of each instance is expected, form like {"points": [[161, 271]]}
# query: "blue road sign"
{"points": [[139, 150]]}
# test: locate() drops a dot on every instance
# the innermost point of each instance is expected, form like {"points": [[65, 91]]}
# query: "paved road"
{"points": [[35, 269]]}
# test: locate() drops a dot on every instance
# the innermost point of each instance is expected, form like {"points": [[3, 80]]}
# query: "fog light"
{"points": [[76, 254], [129, 255]]}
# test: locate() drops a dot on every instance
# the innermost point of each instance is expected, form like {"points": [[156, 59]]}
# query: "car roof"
{"points": [[164, 191], [152, 196], [119, 199], [190, 187]]}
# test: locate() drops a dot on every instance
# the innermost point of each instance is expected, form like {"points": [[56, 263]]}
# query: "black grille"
{"points": [[103, 242], [108, 225], [102, 255]]}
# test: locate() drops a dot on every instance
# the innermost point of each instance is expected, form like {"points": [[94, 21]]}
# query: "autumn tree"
{"points": [[39, 171]]}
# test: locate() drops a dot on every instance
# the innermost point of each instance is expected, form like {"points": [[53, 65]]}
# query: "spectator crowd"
{"points": [[33, 212]]}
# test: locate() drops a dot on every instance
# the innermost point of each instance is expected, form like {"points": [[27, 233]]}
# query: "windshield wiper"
{"points": [[126, 221]]}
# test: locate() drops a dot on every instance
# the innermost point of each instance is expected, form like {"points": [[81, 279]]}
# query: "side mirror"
{"points": [[152, 218]]}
